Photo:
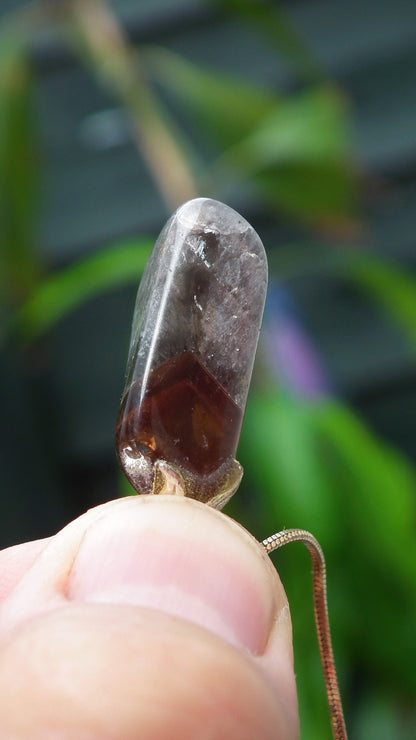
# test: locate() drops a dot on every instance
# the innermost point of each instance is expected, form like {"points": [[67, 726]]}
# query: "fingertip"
{"points": [[199, 574]]}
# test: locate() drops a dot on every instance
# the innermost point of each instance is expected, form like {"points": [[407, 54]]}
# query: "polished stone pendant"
{"points": [[195, 330]]}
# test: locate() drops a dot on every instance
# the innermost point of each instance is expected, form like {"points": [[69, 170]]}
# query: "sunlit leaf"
{"points": [[279, 441], [69, 288], [294, 147], [310, 126], [298, 155]]}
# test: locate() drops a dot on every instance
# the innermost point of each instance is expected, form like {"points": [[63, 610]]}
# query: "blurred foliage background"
{"points": [[302, 116]]}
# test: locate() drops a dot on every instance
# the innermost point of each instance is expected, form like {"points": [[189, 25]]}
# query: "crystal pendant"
{"points": [[194, 337]]}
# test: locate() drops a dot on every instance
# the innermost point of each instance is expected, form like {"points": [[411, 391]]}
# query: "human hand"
{"points": [[151, 617]]}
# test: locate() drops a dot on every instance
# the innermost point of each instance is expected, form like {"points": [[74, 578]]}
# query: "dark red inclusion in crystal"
{"points": [[185, 417]]}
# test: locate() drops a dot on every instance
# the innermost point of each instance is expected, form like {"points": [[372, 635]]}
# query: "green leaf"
{"points": [[381, 491], [317, 466], [375, 490], [391, 286], [125, 488], [280, 455], [299, 156], [228, 108], [19, 266], [321, 193], [310, 126], [69, 288], [280, 451], [296, 148]]}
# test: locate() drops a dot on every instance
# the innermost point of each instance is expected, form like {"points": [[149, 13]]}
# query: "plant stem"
{"points": [[117, 63]]}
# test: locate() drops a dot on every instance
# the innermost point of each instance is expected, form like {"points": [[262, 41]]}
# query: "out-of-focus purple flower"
{"points": [[289, 351]]}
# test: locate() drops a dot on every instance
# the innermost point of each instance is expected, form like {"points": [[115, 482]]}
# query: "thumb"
{"points": [[150, 617]]}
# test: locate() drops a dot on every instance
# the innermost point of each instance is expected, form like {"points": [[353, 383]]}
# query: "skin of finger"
{"points": [[210, 537], [15, 561], [116, 672], [46, 584], [43, 589]]}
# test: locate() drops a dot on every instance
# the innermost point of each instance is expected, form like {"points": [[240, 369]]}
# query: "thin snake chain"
{"points": [[321, 617]]}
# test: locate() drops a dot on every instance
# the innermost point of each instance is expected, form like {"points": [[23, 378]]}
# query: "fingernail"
{"points": [[184, 558]]}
